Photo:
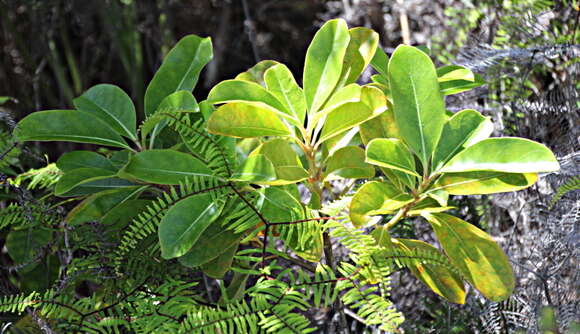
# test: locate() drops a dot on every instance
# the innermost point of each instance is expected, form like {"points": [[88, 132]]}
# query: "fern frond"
{"points": [[336, 207], [21, 216], [571, 184], [9, 152], [200, 141], [41, 178], [371, 302]]}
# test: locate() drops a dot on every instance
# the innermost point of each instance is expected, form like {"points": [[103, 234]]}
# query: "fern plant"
{"points": [[204, 190]]}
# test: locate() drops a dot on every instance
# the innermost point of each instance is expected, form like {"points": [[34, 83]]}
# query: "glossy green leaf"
{"points": [[506, 154], [256, 169], [455, 79], [427, 205], [463, 129], [179, 71], [256, 72], [359, 53], [478, 257], [285, 160], [83, 159], [323, 64], [454, 72], [438, 278], [281, 83], [249, 93], [214, 241], [112, 105], [185, 222], [380, 62], [278, 205], [376, 198], [245, 121], [120, 158], [347, 94], [391, 153], [79, 176], [349, 115], [483, 182], [348, 162], [67, 125], [418, 105], [96, 206], [218, 267], [164, 167]]}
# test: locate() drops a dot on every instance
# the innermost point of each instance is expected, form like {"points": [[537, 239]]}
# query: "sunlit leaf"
{"points": [[245, 121], [418, 105], [506, 154], [478, 257], [323, 63]]}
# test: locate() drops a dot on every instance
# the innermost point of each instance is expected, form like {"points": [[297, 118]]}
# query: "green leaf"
{"points": [[441, 280], [463, 129], [214, 241], [218, 267], [179, 71], [185, 222], [391, 153], [24, 245], [96, 206], [349, 115], [506, 154], [245, 121], [164, 167], [376, 198], [256, 169], [249, 93], [256, 73], [79, 176], [380, 62], [83, 159], [483, 182], [455, 79], [279, 205], [283, 86], [284, 159], [67, 125], [382, 126], [418, 105], [478, 257], [323, 64], [454, 72], [112, 105], [348, 162], [347, 94], [359, 53]]}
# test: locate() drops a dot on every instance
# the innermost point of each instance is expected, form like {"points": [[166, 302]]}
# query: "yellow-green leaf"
{"points": [[483, 182], [478, 257], [506, 154], [323, 63], [376, 198], [245, 121], [391, 153], [348, 162]]}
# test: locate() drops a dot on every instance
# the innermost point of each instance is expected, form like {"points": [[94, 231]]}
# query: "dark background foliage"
{"points": [[53, 50]]}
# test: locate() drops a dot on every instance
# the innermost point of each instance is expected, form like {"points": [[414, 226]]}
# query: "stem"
{"points": [[400, 215]]}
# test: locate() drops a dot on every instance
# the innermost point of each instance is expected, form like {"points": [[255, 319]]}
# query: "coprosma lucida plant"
{"points": [[213, 187]]}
